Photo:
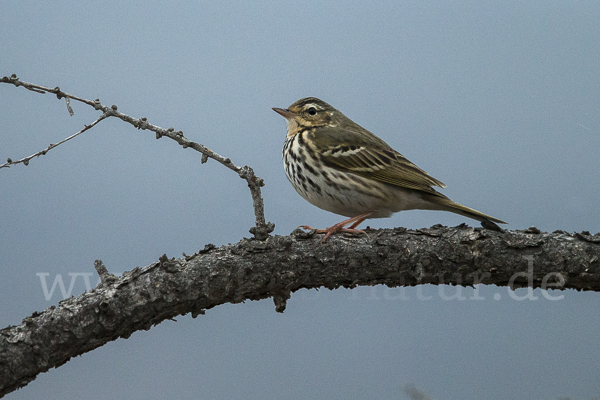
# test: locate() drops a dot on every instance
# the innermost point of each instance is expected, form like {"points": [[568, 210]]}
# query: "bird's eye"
{"points": [[312, 111]]}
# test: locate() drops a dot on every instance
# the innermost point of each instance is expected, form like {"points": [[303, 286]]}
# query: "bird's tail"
{"points": [[487, 221]]}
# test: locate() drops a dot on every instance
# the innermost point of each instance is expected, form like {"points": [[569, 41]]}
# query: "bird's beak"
{"points": [[287, 114]]}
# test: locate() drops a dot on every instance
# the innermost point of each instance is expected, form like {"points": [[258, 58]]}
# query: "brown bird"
{"points": [[341, 167]]}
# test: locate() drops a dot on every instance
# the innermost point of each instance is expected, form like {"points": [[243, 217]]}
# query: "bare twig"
{"points": [[25, 160], [260, 231]]}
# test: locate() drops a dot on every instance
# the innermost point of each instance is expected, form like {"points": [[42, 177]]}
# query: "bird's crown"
{"points": [[311, 111]]}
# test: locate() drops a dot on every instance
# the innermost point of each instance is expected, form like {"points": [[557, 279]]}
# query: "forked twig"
{"points": [[260, 231], [25, 160]]}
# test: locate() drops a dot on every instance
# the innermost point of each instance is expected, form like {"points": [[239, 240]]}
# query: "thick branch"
{"points": [[253, 270], [260, 231]]}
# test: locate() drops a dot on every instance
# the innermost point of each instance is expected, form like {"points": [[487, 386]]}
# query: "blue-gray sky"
{"points": [[499, 101]]}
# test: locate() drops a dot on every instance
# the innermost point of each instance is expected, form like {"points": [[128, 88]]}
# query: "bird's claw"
{"points": [[337, 228]]}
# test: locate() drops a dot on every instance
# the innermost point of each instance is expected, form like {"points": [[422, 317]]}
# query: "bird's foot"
{"points": [[341, 227], [333, 229]]}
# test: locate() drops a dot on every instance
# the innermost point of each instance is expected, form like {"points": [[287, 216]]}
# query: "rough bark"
{"points": [[253, 270]]}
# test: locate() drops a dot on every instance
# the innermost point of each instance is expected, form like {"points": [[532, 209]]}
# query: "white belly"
{"points": [[345, 193]]}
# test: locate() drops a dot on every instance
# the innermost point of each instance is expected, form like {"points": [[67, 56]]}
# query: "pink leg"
{"points": [[340, 226]]}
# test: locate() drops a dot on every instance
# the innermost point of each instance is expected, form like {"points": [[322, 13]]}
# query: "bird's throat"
{"points": [[292, 127]]}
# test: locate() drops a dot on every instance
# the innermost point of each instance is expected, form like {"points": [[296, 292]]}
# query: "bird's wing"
{"points": [[369, 156]]}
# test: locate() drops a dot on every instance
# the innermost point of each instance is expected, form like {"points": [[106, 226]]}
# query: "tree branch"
{"points": [[281, 265], [260, 231], [25, 160]]}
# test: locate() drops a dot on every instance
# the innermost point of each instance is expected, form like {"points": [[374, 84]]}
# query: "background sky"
{"points": [[499, 101]]}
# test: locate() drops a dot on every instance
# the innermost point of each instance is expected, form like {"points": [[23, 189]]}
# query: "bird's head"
{"points": [[309, 112]]}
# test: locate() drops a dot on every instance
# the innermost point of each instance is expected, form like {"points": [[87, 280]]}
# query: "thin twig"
{"points": [[260, 231], [25, 160]]}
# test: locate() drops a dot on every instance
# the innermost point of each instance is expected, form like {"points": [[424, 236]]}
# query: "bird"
{"points": [[339, 166]]}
